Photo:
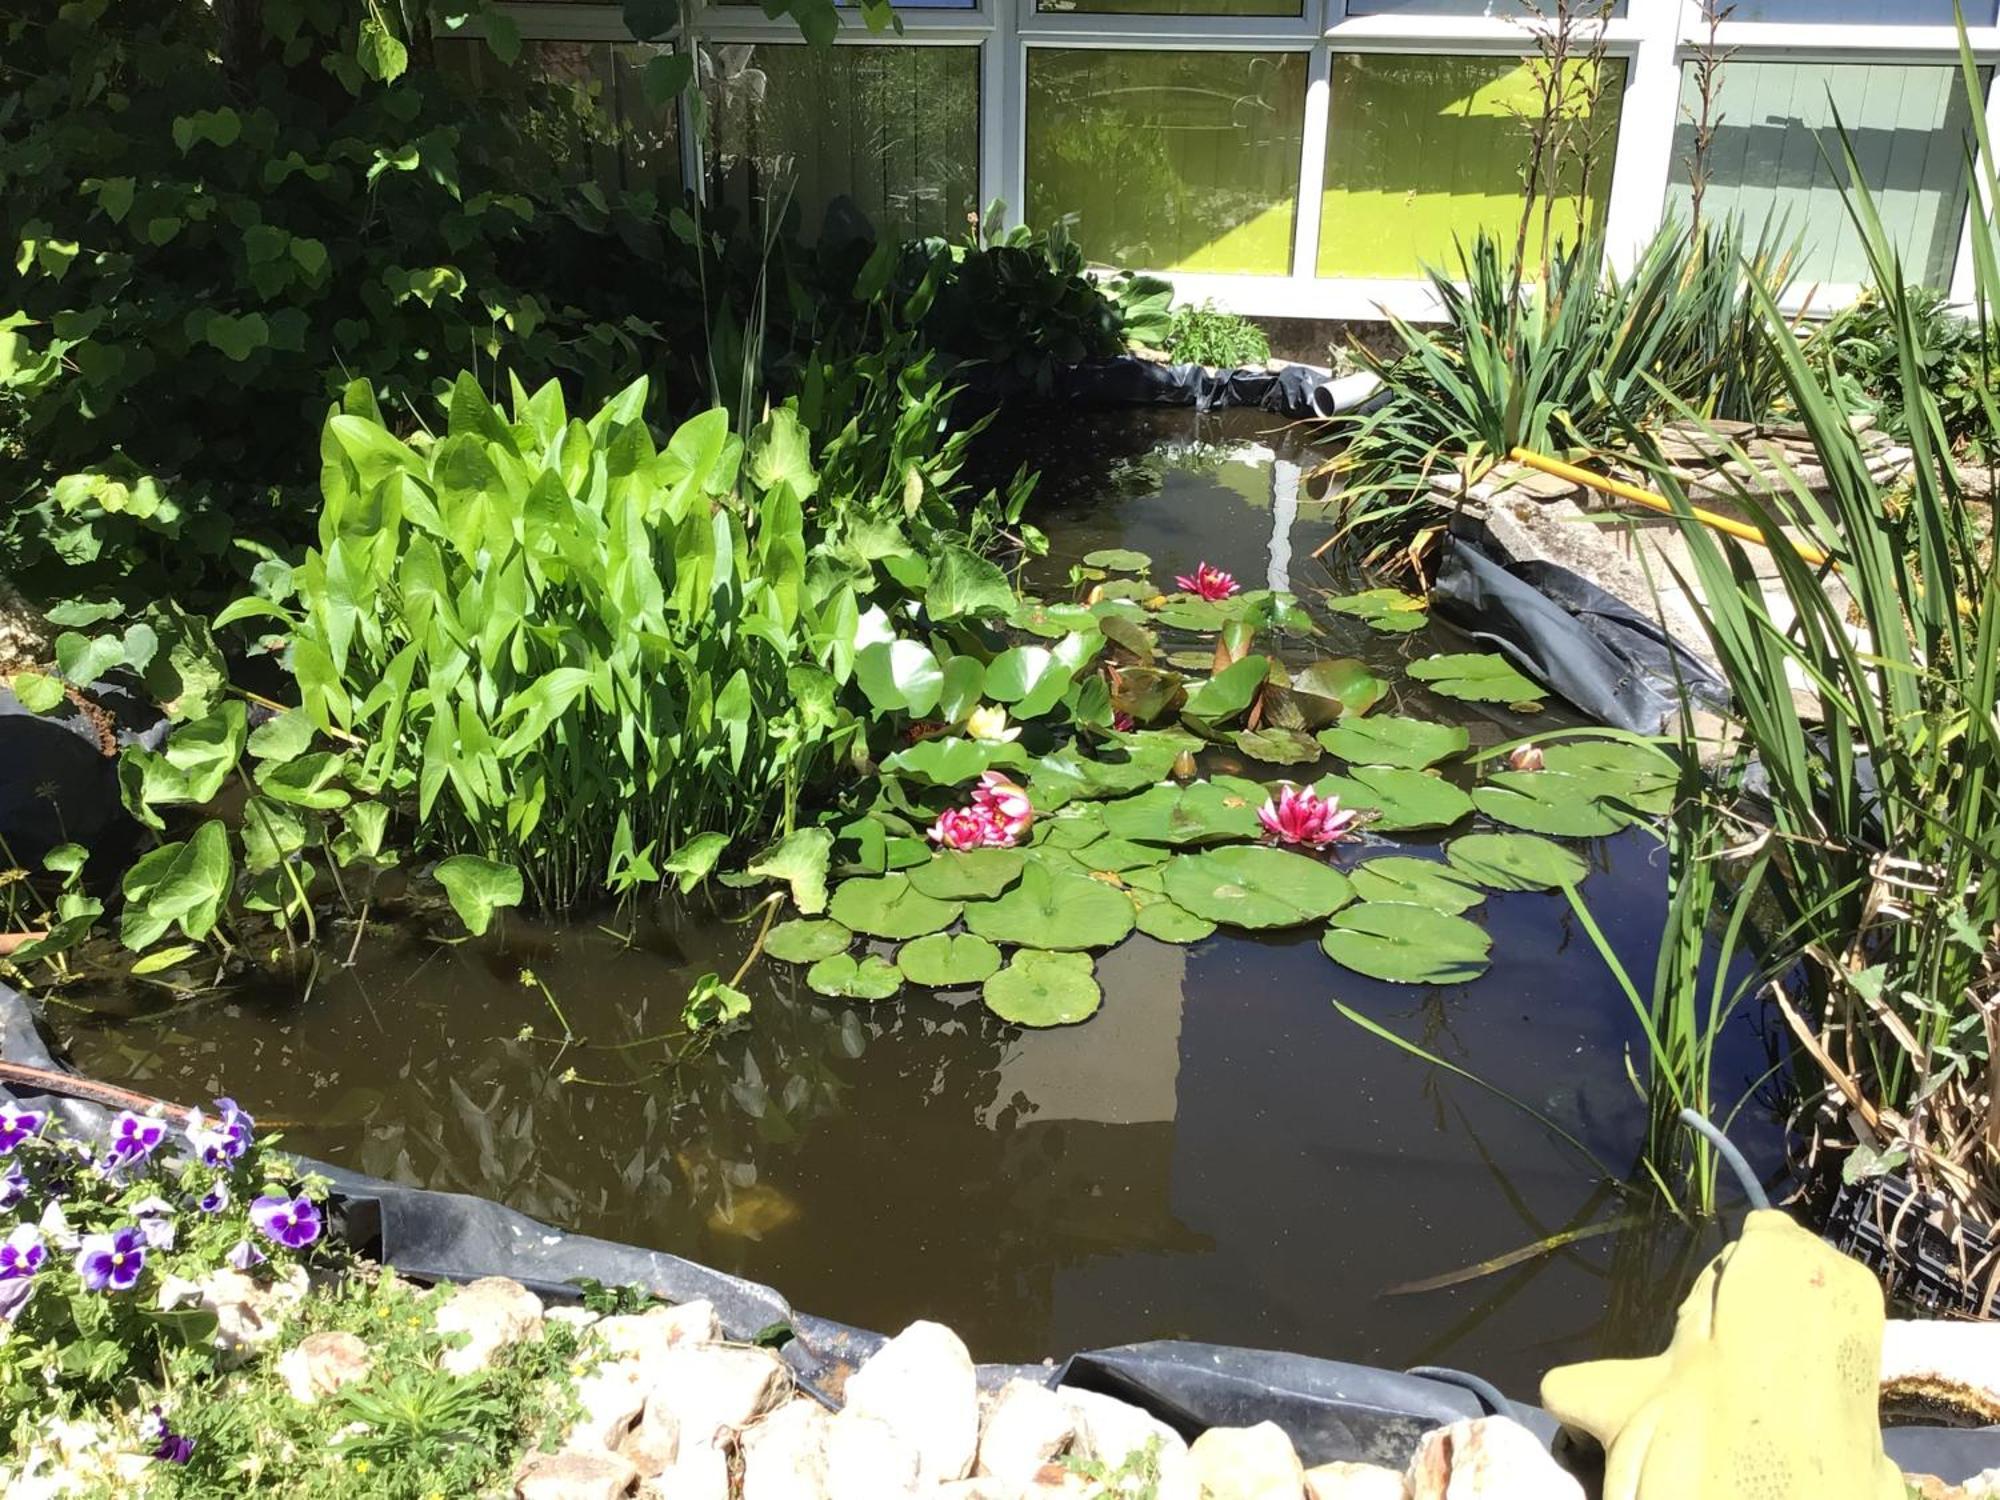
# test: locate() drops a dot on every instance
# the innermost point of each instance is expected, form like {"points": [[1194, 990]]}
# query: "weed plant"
{"points": [[1206, 335]]}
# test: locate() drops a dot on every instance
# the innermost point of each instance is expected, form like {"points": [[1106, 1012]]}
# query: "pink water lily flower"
{"points": [[1208, 582], [1299, 816], [1006, 804], [963, 828]]}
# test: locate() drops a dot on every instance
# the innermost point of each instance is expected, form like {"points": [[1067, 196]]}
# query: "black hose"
{"points": [[1484, 1389], [1726, 1148]]}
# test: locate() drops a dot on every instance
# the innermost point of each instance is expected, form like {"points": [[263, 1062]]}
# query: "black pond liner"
{"points": [[1292, 390], [1331, 1410]]}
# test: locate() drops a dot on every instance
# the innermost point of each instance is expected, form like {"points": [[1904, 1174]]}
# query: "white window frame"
{"points": [[1655, 39]]}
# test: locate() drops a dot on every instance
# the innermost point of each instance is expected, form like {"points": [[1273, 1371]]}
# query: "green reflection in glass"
{"points": [[1422, 149], [1171, 161], [889, 131], [1171, 7]]}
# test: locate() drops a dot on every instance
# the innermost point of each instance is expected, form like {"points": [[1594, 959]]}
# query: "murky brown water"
{"points": [[1217, 1155]]}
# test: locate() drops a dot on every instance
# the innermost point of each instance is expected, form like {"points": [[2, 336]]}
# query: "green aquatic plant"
{"points": [[1207, 335]]}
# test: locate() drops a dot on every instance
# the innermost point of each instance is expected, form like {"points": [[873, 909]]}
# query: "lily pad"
{"points": [[1278, 747], [1387, 610], [1147, 693], [1407, 944], [948, 958], [845, 978], [1118, 560], [974, 875], [1073, 827], [1417, 882], [1403, 799], [1192, 614], [1247, 885], [1044, 989], [1228, 692], [806, 941], [1389, 740], [1054, 909], [1199, 813], [1335, 688], [1515, 861], [1476, 676], [1119, 855], [1169, 921], [1634, 776], [1549, 802], [1051, 620], [888, 906], [948, 760]]}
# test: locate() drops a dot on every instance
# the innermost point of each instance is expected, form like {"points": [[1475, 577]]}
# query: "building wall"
{"points": [[1309, 158]]}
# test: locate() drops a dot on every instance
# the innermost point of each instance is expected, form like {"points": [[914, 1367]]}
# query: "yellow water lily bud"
{"points": [[989, 723]]}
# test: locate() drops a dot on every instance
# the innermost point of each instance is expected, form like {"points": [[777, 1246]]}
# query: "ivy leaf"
{"points": [[800, 859], [710, 1002], [666, 75], [478, 888], [383, 58], [37, 694], [503, 39]]}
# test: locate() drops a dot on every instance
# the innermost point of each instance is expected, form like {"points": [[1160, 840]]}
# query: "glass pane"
{"points": [[896, 4], [889, 135], [1170, 161], [1420, 150], [1172, 7], [1862, 12], [1768, 161], [583, 101], [1504, 9]]}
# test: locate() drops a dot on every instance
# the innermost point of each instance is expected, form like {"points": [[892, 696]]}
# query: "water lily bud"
{"points": [[1525, 758]]}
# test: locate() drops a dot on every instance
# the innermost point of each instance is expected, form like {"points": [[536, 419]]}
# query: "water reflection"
{"points": [[1218, 1154]]}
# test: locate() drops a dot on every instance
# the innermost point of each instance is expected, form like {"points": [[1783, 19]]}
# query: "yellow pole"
{"points": [[1739, 529]]}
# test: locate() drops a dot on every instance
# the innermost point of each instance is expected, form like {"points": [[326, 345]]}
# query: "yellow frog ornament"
{"points": [[1768, 1391]]}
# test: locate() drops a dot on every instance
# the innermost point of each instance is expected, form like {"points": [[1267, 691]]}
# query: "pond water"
{"points": [[1218, 1154]]}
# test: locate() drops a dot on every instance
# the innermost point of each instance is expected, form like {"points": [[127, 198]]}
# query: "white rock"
{"points": [[1111, 1431], [248, 1312], [717, 1389], [921, 1384], [323, 1363], [1248, 1463], [1958, 1363], [784, 1455], [654, 1442], [1488, 1458], [582, 1319], [1027, 1426], [653, 1332], [700, 1473], [1345, 1481], [981, 1487], [869, 1460], [492, 1313], [610, 1399], [574, 1476]]}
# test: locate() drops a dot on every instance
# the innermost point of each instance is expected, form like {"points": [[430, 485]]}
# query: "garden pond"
{"points": [[1217, 1153]]}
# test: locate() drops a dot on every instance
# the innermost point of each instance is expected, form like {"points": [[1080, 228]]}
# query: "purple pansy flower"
{"points": [[156, 1222], [135, 1137], [13, 1186], [243, 1255], [215, 1200], [223, 1141], [14, 1295], [112, 1260], [18, 1125], [22, 1253], [292, 1222], [169, 1446]]}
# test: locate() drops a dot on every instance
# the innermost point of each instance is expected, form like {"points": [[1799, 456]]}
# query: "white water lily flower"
{"points": [[989, 723]]}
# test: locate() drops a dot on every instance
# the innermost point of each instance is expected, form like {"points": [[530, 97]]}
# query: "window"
{"points": [[1861, 12], [1774, 149], [888, 135], [1170, 161], [1172, 7], [1503, 9], [1424, 149]]}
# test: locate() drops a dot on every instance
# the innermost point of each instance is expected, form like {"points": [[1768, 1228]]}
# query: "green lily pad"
{"points": [[1514, 861], [845, 978], [1389, 740], [1073, 827], [1228, 692], [1633, 776], [804, 941], [1118, 560], [1054, 909], [1476, 676], [1336, 688], [1044, 989], [1576, 807], [1278, 747], [948, 958], [1247, 885], [1051, 620], [1168, 921], [1118, 855], [1404, 799], [1192, 614], [1407, 944], [1417, 882], [971, 875], [1199, 813], [1387, 610], [888, 906], [948, 760], [1126, 588]]}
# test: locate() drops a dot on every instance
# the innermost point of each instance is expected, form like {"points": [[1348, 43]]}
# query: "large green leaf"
{"points": [[1387, 740], [946, 959], [1228, 692], [1404, 799], [1514, 861], [1247, 885], [1630, 775], [1278, 747], [1117, 856], [1476, 676], [844, 977], [799, 859], [1054, 909], [1118, 560], [947, 760], [1551, 802], [182, 883], [899, 674], [806, 941], [971, 875], [1166, 921], [887, 906], [1336, 687], [1407, 944], [1199, 813], [1044, 989], [477, 888], [1418, 882], [964, 583], [1387, 610]]}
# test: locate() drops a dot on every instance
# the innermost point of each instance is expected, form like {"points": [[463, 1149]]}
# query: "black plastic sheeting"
{"points": [[1609, 660], [56, 783], [1292, 390]]}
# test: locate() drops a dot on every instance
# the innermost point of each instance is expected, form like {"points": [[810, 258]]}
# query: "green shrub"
{"points": [[1206, 335], [1859, 351]]}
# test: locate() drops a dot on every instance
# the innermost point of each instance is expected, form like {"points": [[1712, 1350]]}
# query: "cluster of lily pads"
{"points": [[1126, 837]]}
